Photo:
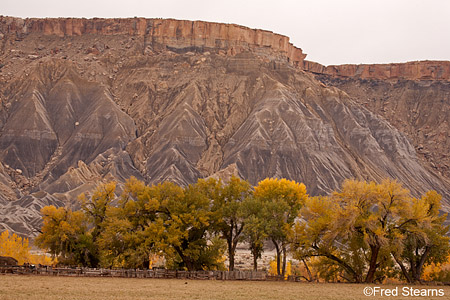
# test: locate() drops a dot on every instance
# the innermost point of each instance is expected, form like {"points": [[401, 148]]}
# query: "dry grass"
{"points": [[82, 288]]}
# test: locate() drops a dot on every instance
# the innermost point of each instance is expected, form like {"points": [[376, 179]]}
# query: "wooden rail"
{"points": [[136, 273]]}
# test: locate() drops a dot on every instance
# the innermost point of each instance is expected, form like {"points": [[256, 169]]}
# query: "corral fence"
{"points": [[136, 273]]}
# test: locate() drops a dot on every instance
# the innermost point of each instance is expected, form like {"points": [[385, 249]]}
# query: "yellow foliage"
{"points": [[42, 259], [281, 189], [430, 270], [273, 268], [19, 248], [14, 246], [437, 272]]}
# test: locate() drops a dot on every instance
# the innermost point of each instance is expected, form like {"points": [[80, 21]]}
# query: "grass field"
{"points": [[82, 288]]}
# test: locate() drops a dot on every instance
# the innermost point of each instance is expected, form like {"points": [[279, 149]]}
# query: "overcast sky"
{"points": [[329, 31]]}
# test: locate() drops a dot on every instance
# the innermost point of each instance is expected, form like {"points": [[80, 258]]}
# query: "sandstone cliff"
{"points": [[415, 70], [84, 101], [176, 34]]}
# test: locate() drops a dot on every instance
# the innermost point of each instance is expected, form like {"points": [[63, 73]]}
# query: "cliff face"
{"points": [[176, 34], [419, 109], [85, 101], [414, 97], [416, 70]]}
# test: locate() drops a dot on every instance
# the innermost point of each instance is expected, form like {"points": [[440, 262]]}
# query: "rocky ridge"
{"points": [[415, 70], [85, 101], [167, 33]]}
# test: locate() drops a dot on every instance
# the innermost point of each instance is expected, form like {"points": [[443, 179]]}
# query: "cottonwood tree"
{"points": [[280, 200], [14, 246], [129, 235], [254, 232], [358, 228], [187, 239], [353, 227], [368, 216], [95, 207], [228, 207], [312, 234], [421, 237], [65, 235], [19, 248]]}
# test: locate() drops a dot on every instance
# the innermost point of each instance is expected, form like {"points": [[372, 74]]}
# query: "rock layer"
{"points": [[88, 101], [419, 109], [176, 34], [415, 70]]}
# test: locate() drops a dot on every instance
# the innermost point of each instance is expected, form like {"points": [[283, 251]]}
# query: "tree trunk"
{"points": [[419, 265], [254, 249], [307, 270], [412, 264], [373, 264], [357, 277], [189, 265], [403, 268], [230, 255], [231, 263], [187, 261], [278, 257], [146, 263], [283, 270]]}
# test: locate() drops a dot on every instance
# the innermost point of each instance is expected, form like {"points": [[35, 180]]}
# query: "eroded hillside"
{"points": [[84, 101]]}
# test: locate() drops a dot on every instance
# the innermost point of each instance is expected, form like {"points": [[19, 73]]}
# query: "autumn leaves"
{"points": [[367, 232], [192, 227], [363, 233]]}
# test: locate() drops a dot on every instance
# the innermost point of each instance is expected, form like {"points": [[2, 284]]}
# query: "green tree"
{"points": [[189, 225], [94, 209], [163, 219], [280, 200], [230, 218], [255, 230]]}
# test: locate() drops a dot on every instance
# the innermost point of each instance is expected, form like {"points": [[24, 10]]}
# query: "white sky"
{"points": [[329, 31]]}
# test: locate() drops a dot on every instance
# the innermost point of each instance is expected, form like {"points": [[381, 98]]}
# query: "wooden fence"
{"points": [[135, 273]]}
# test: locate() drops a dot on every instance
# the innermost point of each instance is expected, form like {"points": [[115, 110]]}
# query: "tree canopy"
{"points": [[363, 232], [366, 228]]}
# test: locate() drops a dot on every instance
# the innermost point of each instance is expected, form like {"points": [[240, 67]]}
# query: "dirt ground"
{"points": [[82, 288]]}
